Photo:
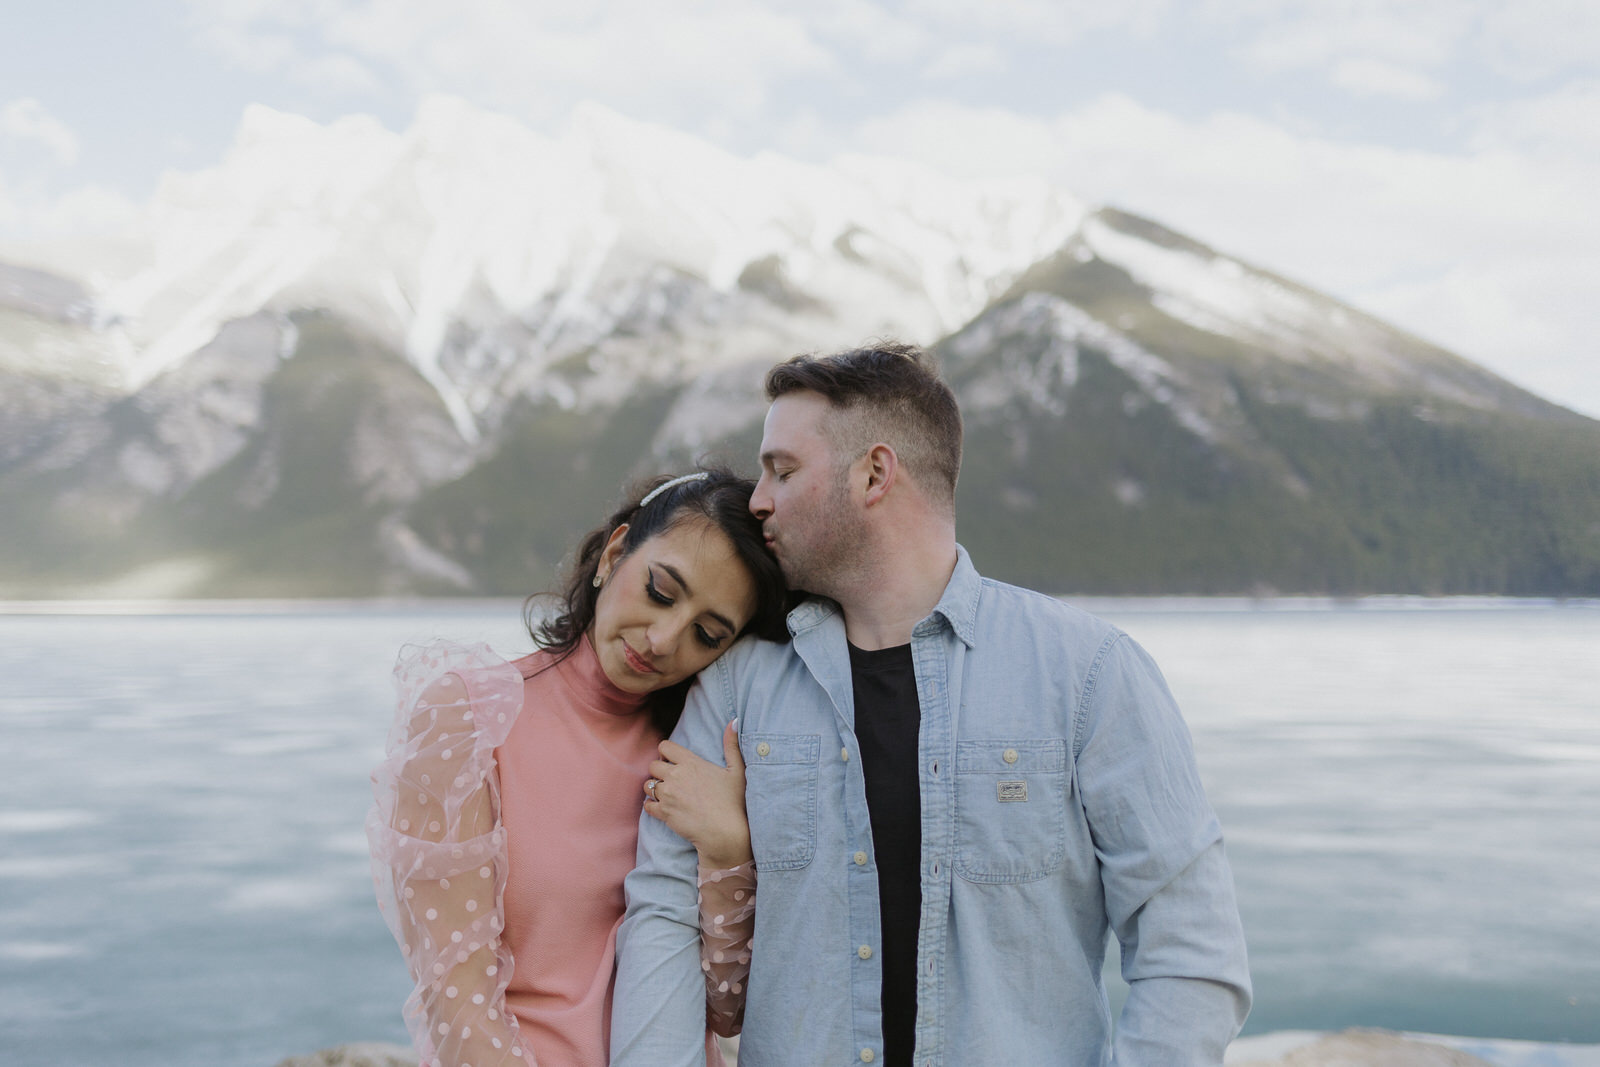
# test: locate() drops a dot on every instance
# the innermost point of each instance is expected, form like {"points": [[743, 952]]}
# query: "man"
{"points": [[955, 787]]}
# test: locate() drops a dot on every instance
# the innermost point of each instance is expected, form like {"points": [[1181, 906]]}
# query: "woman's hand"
{"points": [[702, 802]]}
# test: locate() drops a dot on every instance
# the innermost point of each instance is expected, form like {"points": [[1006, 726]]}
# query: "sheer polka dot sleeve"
{"points": [[439, 853], [727, 926]]}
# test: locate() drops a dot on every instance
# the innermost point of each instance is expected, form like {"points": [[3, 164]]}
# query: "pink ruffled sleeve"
{"points": [[439, 853]]}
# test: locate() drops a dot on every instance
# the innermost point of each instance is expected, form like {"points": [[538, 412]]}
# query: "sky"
{"points": [[1434, 162]]}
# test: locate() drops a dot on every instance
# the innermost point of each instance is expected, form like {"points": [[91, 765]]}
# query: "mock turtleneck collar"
{"points": [[590, 687]]}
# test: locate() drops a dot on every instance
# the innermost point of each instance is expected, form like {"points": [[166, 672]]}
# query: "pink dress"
{"points": [[506, 819]]}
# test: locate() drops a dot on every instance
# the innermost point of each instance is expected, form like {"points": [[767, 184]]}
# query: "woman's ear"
{"points": [[611, 553]]}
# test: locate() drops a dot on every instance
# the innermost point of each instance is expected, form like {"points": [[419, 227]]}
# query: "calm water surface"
{"points": [[1408, 794]]}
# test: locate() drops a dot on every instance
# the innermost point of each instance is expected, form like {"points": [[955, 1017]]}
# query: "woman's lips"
{"points": [[636, 661]]}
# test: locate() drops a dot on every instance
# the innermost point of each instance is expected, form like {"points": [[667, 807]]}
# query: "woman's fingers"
{"points": [[731, 756]]}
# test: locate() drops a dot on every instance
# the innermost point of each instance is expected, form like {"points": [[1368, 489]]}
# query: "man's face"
{"points": [[803, 498]]}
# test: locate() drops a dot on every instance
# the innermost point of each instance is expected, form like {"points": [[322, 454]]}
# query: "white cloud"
{"points": [[871, 31], [45, 227], [1564, 124], [693, 64], [962, 60], [1541, 38], [92, 210], [1367, 45], [27, 120], [1371, 77], [335, 73], [1293, 34], [1054, 22]]}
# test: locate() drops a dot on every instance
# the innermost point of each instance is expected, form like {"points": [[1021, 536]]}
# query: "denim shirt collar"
{"points": [[958, 606]]}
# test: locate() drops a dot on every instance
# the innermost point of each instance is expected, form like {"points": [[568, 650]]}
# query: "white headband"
{"points": [[697, 476]]}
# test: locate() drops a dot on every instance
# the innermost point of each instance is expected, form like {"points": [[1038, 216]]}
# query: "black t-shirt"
{"points": [[888, 719]]}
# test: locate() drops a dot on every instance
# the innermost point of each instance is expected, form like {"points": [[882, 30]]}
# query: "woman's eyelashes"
{"points": [[701, 634]]}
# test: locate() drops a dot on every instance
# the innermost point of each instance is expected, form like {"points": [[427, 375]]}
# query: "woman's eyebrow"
{"points": [[677, 576]]}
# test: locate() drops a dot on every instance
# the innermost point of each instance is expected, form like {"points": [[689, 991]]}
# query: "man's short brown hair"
{"points": [[888, 392]]}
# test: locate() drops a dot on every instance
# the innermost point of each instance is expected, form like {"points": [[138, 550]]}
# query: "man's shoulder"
{"points": [[1004, 608], [749, 659], [752, 653]]}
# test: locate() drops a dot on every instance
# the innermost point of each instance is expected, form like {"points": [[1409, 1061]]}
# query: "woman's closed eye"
{"points": [[706, 639], [704, 636]]}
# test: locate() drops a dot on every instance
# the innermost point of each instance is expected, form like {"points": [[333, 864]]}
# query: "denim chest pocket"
{"points": [[1011, 809], [780, 797]]}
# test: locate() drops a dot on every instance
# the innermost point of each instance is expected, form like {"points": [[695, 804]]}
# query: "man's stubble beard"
{"points": [[838, 553]]}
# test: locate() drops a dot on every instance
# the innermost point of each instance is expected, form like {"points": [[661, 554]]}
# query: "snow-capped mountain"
{"points": [[487, 251], [347, 360]]}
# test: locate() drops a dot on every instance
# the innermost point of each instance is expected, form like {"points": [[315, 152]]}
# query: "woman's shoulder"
{"points": [[423, 663], [535, 662], [445, 671]]}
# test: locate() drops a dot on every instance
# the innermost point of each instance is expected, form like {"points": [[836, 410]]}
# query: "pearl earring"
{"points": [[598, 581]]}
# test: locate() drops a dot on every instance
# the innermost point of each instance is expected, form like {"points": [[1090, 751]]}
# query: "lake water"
{"points": [[1409, 791]]}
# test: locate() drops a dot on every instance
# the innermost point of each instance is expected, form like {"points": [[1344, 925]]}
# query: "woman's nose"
{"points": [[663, 637]]}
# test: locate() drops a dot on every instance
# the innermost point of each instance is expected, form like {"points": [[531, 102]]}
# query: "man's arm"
{"points": [[658, 1014], [1168, 890]]}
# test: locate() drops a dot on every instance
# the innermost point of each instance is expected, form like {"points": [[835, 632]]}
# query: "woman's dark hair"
{"points": [[721, 498]]}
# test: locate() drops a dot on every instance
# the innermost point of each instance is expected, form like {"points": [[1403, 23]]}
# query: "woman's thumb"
{"points": [[731, 756]]}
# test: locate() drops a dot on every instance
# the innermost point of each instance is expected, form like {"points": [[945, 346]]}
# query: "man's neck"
{"points": [[904, 586]]}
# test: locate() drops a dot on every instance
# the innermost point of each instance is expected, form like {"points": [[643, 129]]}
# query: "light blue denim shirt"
{"points": [[1059, 800]]}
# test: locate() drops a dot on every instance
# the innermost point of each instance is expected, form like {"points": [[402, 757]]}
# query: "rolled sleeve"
{"points": [[1168, 889], [658, 1014]]}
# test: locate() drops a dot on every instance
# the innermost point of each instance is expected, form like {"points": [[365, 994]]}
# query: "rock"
{"points": [[356, 1054], [1370, 1048]]}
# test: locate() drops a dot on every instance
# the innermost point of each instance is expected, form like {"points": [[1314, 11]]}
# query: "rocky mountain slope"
{"points": [[351, 362]]}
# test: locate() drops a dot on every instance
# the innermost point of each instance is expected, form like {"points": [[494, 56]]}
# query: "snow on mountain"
{"points": [[1054, 329], [1220, 295], [488, 251]]}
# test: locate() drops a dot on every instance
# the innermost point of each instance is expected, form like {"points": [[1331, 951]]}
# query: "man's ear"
{"points": [[882, 470], [612, 552]]}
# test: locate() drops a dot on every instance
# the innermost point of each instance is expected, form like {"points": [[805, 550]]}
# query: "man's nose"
{"points": [[761, 500]]}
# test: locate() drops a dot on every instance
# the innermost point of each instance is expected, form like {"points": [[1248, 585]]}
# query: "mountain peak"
{"points": [[470, 219]]}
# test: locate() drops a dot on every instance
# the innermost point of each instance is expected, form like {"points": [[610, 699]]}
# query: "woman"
{"points": [[507, 809]]}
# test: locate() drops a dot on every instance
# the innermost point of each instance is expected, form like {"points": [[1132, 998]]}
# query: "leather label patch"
{"points": [[1012, 792]]}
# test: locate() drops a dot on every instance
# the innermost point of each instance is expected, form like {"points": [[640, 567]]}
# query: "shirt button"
{"points": [[867, 1055], [861, 859], [865, 952], [763, 749], [1010, 755], [844, 754]]}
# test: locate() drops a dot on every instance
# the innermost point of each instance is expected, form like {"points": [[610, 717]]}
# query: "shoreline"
{"points": [[1155, 603], [1281, 1048], [1397, 1048]]}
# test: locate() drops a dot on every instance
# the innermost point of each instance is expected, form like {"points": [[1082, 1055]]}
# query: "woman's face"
{"points": [[670, 607]]}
